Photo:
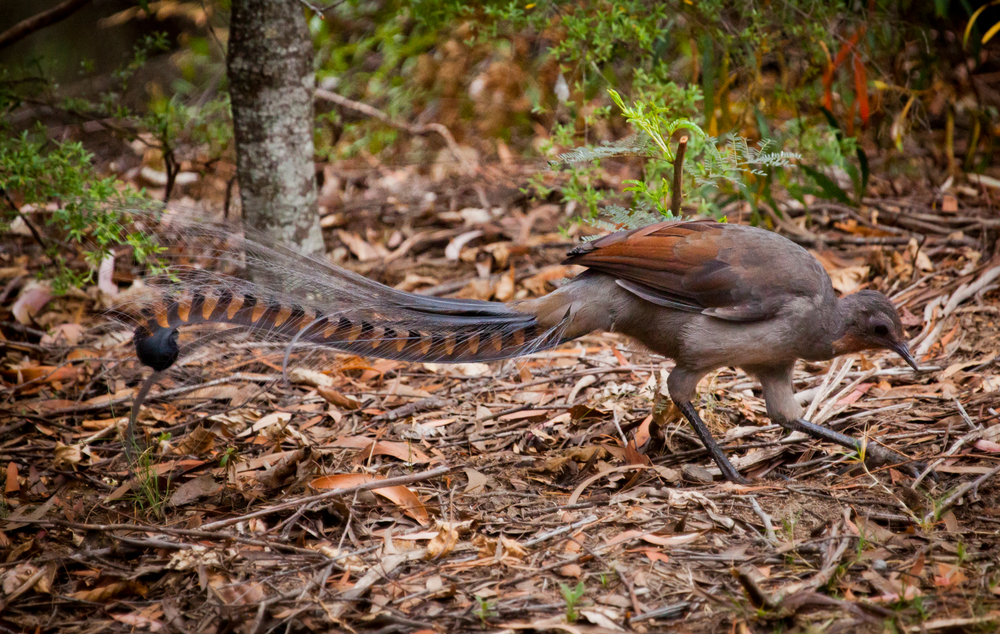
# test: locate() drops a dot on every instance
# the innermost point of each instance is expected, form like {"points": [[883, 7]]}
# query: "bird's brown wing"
{"points": [[727, 271]]}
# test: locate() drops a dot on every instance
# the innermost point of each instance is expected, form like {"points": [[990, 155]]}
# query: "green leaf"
{"points": [[832, 120], [706, 44], [865, 173], [763, 128], [830, 189]]}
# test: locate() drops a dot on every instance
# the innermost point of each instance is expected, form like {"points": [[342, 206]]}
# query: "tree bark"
{"points": [[271, 82]]}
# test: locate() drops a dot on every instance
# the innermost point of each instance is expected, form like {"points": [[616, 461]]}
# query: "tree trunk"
{"points": [[271, 83]]}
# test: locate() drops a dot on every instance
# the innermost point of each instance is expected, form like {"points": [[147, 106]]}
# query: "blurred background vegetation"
{"points": [[865, 97]]}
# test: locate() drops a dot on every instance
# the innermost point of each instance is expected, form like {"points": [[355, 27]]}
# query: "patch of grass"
{"points": [[149, 496]]}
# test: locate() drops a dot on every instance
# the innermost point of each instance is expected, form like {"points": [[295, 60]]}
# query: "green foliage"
{"points": [[59, 176], [147, 494], [41, 173], [572, 596], [728, 67], [229, 457], [485, 610], [712, 166], [189, 116], [368, 52]]}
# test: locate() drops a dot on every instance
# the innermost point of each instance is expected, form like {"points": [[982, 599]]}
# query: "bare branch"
{"points": [[39, 21], [419, 130], [677, 196]]}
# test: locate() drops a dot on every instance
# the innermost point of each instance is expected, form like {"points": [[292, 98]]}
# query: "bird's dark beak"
{"points": [[903, 350]]}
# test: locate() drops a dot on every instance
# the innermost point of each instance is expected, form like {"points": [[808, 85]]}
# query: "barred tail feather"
{"points": [[410, 328], [307, 300]]}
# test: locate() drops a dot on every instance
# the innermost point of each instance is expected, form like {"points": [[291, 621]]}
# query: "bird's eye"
{"points": [[881, 330]]}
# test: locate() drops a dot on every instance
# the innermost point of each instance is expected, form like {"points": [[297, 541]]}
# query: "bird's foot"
{"points": [[730, 473], [916, 469], [887, 457]]}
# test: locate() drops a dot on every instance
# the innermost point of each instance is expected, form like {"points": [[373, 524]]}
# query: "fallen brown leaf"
{"points": [[12, 486], [444, 542], [399, 495], [405, 452], [336, 398], [107, 592], [202, 486]]}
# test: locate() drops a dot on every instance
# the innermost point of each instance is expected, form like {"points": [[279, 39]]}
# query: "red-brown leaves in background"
{"points": [[849, 48], [861, 88]]}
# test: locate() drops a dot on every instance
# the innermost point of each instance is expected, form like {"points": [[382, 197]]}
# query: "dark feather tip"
{"points": [[583, 249], [157, 351]]}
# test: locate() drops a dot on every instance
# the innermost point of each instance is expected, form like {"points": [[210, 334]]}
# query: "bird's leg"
{"points": [[783, 409], [877, 453], [714, 450]]}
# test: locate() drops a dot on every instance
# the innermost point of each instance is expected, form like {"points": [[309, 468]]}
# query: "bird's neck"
{"points": [[826, 333], [841, 342]]}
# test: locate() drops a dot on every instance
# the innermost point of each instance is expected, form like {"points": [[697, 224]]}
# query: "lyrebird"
{"points": [[705, 294]]}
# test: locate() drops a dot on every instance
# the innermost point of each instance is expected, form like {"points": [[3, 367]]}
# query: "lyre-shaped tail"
{"points": [[300, 299], [408, 328]]}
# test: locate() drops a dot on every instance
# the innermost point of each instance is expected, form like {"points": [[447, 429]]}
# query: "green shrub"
{"points": [[86, 208]]}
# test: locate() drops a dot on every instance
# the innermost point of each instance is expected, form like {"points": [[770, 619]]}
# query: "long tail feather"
{"points": [[307, 300]]}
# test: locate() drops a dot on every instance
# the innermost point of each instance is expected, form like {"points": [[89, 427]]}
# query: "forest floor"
{"points": [[514, 503]]}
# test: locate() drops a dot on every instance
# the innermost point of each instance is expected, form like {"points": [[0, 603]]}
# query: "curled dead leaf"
{"points": [[232, 393], [67, 456], [139, 621], [446, 539], [412, 282], [17, 576], [477, 481], [336, 398], [191, 558], [192, 490], [513, 548], [109, 591], [536, 283], [454, 248], [361, 249], [63, 334], [849, 279], [504, 291], [32, 298], [398, 495], [584, 381], [476, 289], [199, 441], [249, 593], [406, 452], [312, 378]]}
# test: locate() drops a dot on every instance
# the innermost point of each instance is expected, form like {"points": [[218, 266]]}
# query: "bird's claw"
{"points": [[736, 478], [910, 467], [915, 469]]}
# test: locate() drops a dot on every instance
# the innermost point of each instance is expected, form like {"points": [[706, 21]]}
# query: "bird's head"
{"points": [[872, 323]]}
